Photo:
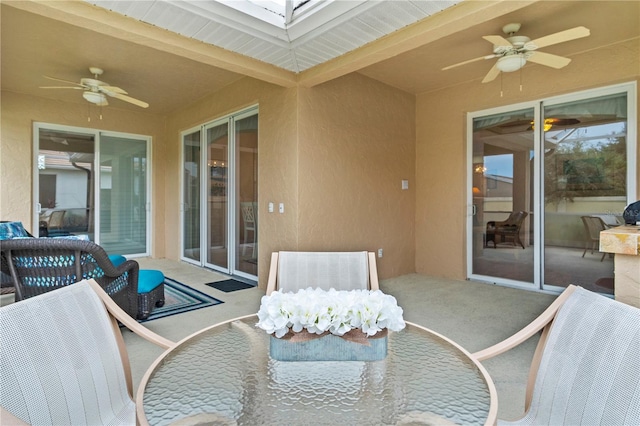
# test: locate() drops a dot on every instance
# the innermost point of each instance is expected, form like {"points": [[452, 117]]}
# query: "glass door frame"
{"points": [[538, 209], [148, 184], [233, 223], [96, 133], [184, 206], [205, 229], [631, 150], [471, 209], [233, 200]]}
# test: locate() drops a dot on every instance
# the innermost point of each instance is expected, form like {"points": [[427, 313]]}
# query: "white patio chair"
{"points": [[249, 212], [64, 361], [586, 368], [295, 270]]}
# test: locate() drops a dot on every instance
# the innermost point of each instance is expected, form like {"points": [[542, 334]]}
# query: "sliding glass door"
{"points": [[93, 185], [585, 188], [191, 229], [502, 174], [246, 194], [217, 196], [540, 194], [124, 214], [220, 190]]}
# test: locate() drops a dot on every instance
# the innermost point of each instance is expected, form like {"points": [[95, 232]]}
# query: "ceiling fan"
{"points": [[96, 91], [514, 51]]}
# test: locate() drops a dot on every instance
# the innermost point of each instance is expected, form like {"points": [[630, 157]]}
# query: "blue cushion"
{"points": [[148, 279], [117, 259], [70, 237], [9, 230]]}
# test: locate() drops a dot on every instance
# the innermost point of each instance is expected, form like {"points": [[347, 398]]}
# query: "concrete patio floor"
{"points": [[475, 315]]}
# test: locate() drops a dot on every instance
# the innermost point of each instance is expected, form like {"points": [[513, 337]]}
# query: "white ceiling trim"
{"points": [[316, 32]]}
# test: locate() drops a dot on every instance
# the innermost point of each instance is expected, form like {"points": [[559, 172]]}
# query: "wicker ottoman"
{"points": [[150, 291]]}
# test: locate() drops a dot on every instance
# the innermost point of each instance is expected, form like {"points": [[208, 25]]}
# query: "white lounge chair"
{"points": [[64, 361], [586, 368], [295, 270]]}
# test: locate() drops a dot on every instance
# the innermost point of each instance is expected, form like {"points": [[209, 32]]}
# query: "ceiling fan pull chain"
{"points": [[501, 83], [520, 72]]}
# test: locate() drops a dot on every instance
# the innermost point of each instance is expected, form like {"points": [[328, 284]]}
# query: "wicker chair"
{"points": [[500, 232], [39, 265], [64, 361], [295, 270], [592, 227], [9, 229]]}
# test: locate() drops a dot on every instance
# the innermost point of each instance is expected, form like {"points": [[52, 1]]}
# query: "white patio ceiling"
{"points": [[170, 71], [294, 35]]}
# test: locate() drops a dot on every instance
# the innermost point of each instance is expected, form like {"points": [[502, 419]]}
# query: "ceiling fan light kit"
{"points": [[514, 51], [95, 98], [511, 63]]}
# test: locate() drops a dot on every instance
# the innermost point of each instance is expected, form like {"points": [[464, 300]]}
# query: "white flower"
{"points": [[338, 312]]}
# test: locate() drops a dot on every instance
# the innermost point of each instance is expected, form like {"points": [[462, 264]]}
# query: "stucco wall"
{"points": [[335, 156], [356, 145], [19, 112], [441, 143]]}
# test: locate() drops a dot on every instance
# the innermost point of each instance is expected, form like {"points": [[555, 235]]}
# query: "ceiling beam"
{"points": [[85, 15], [452, 20]]}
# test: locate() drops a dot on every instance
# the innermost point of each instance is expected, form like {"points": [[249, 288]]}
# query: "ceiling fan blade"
{"points": [[492, 74], [128, 99], [560, 37], [553, 61], [63, 81], [61, 87], [468, 62], [497, 40], [113, 89]]}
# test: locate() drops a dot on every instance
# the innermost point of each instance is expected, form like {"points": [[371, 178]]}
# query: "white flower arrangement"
{"points": [[319, 311]]}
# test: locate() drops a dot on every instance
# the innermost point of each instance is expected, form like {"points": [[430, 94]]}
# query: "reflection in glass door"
{"points": [[66, 183], [502, 176], [123, 194], [191, 196], [217, 163], [585, 188], [246, 200], [106, 204], [541, 195], [220, 190]]}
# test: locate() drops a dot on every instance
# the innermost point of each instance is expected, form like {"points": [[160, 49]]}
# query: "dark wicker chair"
{"points": [[500, 232], [39, 265], [6, 283]]}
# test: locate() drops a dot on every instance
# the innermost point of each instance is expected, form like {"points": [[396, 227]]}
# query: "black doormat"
{"points": [[229, 285]]}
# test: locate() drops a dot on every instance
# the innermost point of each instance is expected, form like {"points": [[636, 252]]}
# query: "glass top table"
{"points": [[224, 375]]}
